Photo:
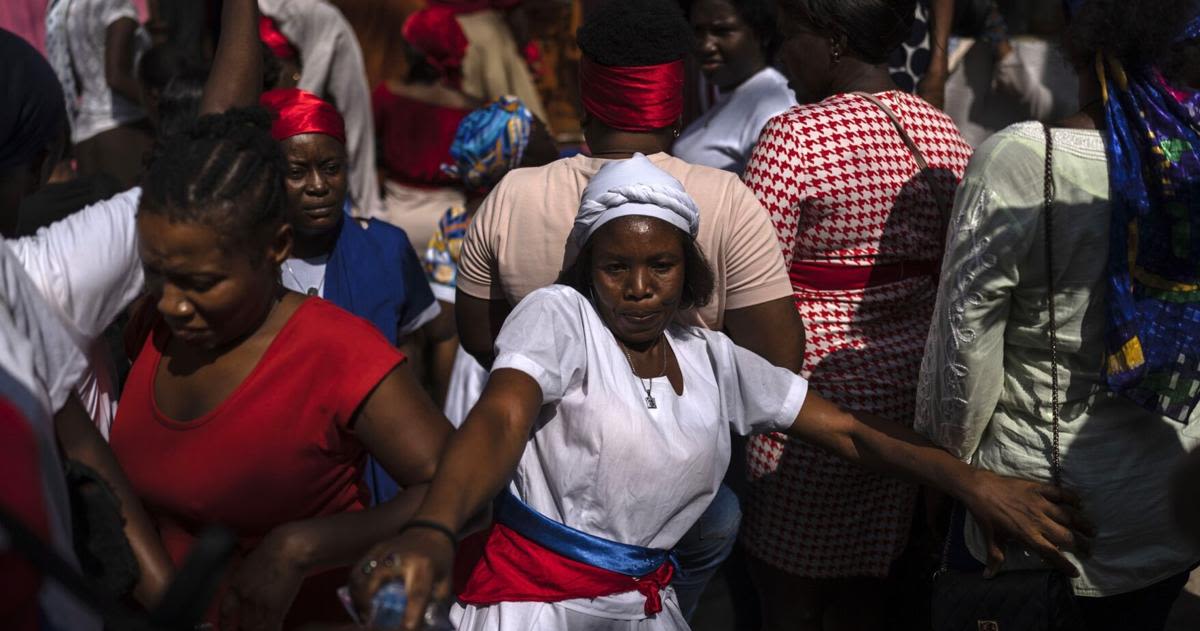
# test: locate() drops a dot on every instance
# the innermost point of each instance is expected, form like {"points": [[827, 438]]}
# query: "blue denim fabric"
{"points": [[705, 547]]}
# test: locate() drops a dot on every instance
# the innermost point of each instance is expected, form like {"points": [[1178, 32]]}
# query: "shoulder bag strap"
{"points": [[1048, 207], [908, 141]]}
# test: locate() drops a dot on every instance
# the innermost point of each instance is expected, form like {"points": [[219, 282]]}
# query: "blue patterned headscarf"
{"points": [[1153, 311], [490, 142]]}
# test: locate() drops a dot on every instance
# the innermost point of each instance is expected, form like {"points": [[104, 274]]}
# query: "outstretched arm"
{"points": [[236, 77], [479, 460], [1043, 517]]}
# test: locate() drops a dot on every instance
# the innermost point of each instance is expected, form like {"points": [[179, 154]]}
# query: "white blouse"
{"points": [[600, 461], [724, 136]]}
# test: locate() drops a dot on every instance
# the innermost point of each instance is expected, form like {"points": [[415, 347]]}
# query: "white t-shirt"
{"points": [[39, 364], [87, 268], [83, 24], [724, 136], [301, 275], [600, 461]]}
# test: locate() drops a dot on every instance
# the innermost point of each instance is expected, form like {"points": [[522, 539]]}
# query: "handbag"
{"points": [[1019, 600]]}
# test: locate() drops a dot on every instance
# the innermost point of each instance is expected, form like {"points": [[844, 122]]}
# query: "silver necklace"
{"points": [[312, 291], [650, 402]]}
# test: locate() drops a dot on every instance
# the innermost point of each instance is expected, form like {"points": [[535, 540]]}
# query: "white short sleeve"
{"points": [[87, 265], [756, 395], [58, 363], [544, 337]]}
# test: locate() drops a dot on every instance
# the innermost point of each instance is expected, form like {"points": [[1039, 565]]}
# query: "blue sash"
{"points": [[578, 546]]}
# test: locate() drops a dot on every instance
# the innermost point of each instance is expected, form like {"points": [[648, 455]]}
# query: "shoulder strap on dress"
{"points": [[908, 141]]}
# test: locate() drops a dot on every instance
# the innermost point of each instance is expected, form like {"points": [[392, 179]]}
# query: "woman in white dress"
{"points": [[603, 429]]}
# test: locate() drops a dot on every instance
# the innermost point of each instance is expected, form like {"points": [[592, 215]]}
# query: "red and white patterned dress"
{"points": [[844, 190]]}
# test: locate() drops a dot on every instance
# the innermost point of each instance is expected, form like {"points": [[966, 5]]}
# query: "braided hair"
{"points": [[224, 171]]}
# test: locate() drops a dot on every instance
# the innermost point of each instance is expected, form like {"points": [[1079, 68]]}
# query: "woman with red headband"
{"points": [[253, 406], [416, 120], [366, 267]]}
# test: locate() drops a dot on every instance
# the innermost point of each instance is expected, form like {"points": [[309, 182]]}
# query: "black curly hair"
{"points": [[872, 28], [1137, 32], [760, 16], [224, 171], [635, 33]]}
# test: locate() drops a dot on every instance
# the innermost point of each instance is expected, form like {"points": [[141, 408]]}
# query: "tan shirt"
{"points": [[517, 240]]}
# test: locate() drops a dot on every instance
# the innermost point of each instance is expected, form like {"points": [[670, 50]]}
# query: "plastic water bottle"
{"points": [[387, 610]]}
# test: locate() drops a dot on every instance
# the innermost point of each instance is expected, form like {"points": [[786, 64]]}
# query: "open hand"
{"points": [[419, 558], [263, 587], [1045, 518]]}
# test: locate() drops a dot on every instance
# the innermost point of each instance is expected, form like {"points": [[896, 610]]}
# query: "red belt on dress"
{"points": [[834, 276]]}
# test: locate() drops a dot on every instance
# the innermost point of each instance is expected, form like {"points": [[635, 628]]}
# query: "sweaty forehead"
{"points": [[637, 236]]}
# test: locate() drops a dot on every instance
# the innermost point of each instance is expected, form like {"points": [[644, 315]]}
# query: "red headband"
{"points": [[299, 112], [269, 33], [436, 34], [637, 98]]}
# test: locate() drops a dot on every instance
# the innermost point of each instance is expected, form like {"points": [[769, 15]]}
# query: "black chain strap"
{"points": [[1055, 466]]}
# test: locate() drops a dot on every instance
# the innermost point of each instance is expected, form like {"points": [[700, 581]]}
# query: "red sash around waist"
{"points": [[834, 276], [501, 565]]}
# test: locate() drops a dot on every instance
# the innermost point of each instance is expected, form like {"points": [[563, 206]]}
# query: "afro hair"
{"points": [[636, 33], [1137, 32]]}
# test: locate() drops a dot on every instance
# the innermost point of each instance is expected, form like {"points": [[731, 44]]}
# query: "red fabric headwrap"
{"points": [[298, 112], [435, 33], [637, 98], [270, 35]]}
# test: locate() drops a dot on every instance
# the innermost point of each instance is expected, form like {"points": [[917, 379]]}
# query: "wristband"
{"points": [[432, 525]]}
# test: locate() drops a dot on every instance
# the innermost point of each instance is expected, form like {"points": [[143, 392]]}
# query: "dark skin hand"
{"points": [[81, 441], [637, 275], [118, 59], [224, 309]]}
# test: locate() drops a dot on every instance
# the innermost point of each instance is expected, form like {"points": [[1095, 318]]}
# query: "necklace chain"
{"points": [[647, 387], [312, 291]]}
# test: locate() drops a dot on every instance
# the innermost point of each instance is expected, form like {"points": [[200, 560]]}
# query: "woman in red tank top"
{"points": [[254, 407]]}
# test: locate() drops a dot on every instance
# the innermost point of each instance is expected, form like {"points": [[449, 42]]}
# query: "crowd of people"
{"points": [[812, 342]]}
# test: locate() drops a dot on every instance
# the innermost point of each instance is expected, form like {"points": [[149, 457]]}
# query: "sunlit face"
{"points": [[209, 295], [316, 180], [638, 272], [726, 48]]}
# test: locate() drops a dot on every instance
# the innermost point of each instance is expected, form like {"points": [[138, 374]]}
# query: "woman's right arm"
{"points": [[236, 76], [478, 462]]}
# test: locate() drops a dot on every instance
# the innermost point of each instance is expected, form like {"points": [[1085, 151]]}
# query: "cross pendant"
{"points": [[651, 403]]}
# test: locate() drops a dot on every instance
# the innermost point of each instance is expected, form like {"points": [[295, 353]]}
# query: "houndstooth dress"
{"points": [[842, 189]]}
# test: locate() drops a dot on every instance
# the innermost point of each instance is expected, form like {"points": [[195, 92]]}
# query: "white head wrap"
{"points": [[631, 187]]}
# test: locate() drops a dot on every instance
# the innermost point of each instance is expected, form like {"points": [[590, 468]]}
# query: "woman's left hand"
{"points": [[1043, 517], [264, 585]]}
